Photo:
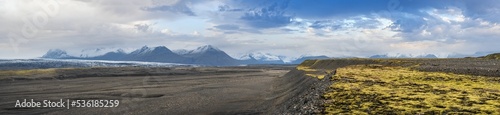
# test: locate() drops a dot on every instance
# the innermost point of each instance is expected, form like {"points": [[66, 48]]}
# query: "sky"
{"points": [[335, 28]]}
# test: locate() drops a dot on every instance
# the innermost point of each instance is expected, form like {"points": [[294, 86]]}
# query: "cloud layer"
{"points": [[285, 27]]}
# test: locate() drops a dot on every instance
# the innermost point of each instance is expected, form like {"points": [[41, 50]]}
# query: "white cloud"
{"points": [[87, 24]]}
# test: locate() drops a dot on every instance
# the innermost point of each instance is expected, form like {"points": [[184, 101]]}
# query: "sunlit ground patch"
{"points": [[376, 89], [30, 74]]}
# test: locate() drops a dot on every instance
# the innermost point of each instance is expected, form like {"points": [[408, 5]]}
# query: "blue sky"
{"points": [[283, 27]]}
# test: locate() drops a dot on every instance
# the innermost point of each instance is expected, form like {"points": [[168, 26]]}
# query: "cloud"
{"points": [[287, 27], [485, 9], [267, 17], [341, 8], [408, 23], [176, 9], [347, 23], [144, 27], [227, 27], [226, 8]]}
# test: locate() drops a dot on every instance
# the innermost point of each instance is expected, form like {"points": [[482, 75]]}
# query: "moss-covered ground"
{"points": [[27, 74], [378, 89], [492, 56]]}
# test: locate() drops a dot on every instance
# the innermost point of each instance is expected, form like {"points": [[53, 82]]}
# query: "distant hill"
{"points": [[427, 56], [476, 54], [491, 56], [303, 58], [379, 56], [404, 56]]}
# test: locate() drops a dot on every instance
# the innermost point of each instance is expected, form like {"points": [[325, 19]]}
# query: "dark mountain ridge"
{"points": [[204, 55]]}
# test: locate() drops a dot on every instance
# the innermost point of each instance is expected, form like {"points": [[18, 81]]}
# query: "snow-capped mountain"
{"points": [[260, 57], [204, 55], [288, 60], [210, 55], [86, 53], [143, 50], [203, 49], [155, 54], [181, 51], [56, 53]]}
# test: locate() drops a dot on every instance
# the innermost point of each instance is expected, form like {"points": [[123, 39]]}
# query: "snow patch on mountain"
{"points": [[56, 53], [286, 59], [203, 49], [181, 51], [143, 50], [261, 56], [86, 53]]}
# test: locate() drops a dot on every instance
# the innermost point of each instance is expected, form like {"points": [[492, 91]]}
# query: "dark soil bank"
{"points": [[305, 96]]}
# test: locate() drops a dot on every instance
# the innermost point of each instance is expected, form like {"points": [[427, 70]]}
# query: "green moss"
{"points": [[376, 89], [317, 73], [492, 56]]}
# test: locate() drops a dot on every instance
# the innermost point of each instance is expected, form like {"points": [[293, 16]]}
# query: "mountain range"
{"points": [[476, 54], [404, 56], [204, 55]]}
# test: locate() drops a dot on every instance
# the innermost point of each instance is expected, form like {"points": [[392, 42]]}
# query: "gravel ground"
{"points": [[237, 90], [483, 67], [307, 101]]}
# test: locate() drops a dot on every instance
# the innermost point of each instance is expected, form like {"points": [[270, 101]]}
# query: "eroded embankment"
{"points": [[397, 86], [300, 91]]}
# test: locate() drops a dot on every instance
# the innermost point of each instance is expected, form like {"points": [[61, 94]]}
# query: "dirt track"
{"points": [[182, 91]]}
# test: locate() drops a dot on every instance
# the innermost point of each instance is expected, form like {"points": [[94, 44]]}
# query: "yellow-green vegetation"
{"points": [[378, 89], [492, 56], [317, 73], [27, 74]]}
